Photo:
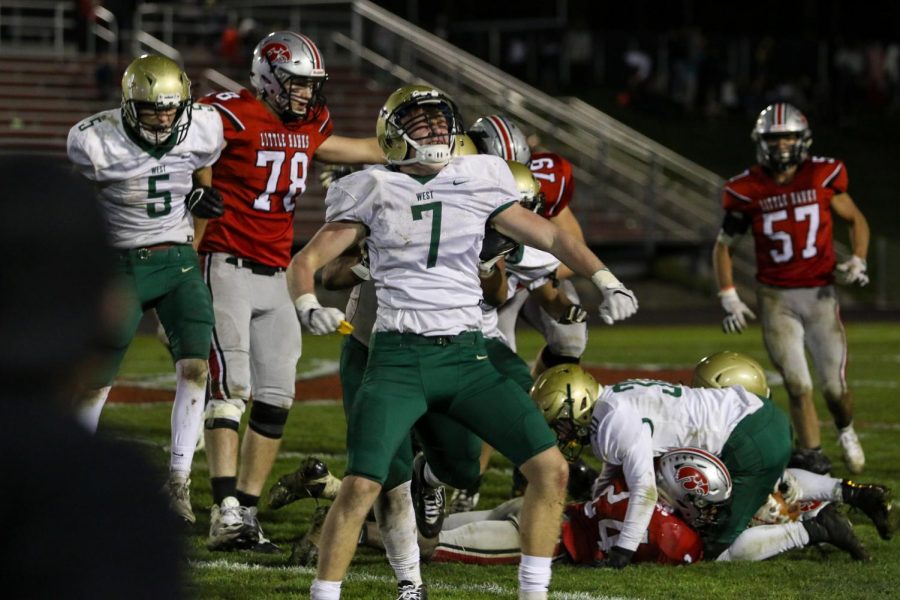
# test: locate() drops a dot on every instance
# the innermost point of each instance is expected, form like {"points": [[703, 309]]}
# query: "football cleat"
{"points": [[178, 490], [407, 590], [228, 529], [311, 480], [829, 526], [262, 545], [428, 501], [810, 459], [873, 500], [851, 450], [465, 500], [305, 551]]}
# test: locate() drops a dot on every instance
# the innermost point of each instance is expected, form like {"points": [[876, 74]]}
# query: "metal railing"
{"points": [[36, 24]]}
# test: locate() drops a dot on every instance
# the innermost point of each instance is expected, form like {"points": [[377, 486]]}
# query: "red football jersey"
{"points": [[791, 223], [591, 528], [260, 173], [555, 174]]}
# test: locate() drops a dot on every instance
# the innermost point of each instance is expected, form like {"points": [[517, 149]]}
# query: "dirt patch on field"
{"points": [[328, 387]]}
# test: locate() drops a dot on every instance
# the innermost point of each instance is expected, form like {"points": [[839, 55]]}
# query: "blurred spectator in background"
{"points": [[89, 519]]}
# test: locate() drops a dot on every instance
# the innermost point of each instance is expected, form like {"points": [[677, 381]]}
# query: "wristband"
{"points": [[605, 279]]}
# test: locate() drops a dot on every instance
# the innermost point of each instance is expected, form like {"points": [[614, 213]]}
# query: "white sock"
{"points": [[765, 541], [397, 526], [187, 414], [325, 590], [87, 412], [534, 575], [817, 487]]}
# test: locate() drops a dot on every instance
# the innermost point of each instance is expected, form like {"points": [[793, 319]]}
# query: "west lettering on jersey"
{"points": [[428, 195]]}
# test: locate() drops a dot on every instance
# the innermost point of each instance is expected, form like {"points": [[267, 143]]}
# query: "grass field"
{"points": [[317, 428]]}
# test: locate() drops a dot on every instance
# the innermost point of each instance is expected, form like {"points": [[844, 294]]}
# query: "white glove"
{"points": [[735, 321], [317, 319], [618, 301], [852, 271]]}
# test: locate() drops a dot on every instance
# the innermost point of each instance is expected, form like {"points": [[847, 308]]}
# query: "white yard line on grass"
{"points": [[487, 588]]}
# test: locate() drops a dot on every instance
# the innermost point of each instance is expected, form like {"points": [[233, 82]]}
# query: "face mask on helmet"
{"points": [[782, 137], [418, 124], [695, 483], [287, 72], [497, 135], [156, 100], [727, 368], [529, 188], [566, 395]]}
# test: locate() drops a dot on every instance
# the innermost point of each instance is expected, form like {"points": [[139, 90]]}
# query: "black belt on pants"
{"points": [[255, 267], [467, 338]]}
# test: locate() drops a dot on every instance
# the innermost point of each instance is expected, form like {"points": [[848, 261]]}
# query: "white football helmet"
{"points": [[774, 122], [695, 483], [156, 83], [497, 135], [410, 118], [282, 62]]}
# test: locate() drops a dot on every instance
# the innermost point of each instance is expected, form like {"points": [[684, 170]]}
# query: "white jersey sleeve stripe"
{"points": [[230, 116]]}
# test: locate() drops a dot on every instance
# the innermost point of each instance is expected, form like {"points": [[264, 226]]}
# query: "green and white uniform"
{"points": [[527, 270], [427, 355], [637, 420], [142, 189]]}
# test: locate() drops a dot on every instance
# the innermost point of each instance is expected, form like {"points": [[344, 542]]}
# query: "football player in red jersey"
{"points": [[499, 135], [787, 200], [272, 135]]}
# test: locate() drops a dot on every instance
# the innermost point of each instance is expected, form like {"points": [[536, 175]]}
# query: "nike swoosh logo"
{"points": [[480, 357], [459, 182], [176, 454], [186, 269]]}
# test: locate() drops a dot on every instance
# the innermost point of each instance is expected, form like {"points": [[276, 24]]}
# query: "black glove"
{"points": [[616, 558], [573, 314], [205, 202], [496, 246]]}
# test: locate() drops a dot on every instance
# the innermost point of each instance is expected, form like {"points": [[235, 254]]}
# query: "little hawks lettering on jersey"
{"points": [[276, 139], [781, 201]]}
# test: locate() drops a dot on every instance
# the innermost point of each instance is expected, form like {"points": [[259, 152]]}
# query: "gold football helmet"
{"points": [[529, 188], [156, 83], [727, 368], [566, 395], [464, 146], [411, 121]]}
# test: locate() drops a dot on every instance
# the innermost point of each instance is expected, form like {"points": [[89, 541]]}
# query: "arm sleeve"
{"points": [[342, 205], [623, 439]]}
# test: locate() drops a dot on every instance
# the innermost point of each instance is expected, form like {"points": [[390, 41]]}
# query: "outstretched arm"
{"points": [[352, 151], [528, 228]]}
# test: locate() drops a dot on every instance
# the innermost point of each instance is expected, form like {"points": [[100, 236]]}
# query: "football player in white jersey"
{"points": [[423, 217], [148, 160]]}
